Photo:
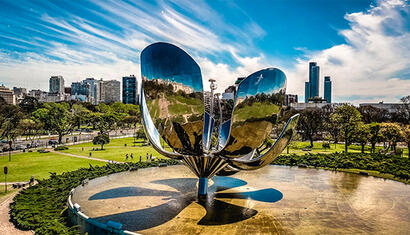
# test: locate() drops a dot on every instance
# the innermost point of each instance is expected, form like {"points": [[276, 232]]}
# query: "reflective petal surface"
{"points": [[258, 102], [173, 95], [272, 153]]}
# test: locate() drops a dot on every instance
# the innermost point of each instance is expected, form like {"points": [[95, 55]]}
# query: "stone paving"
{"points": [[272, 200]]}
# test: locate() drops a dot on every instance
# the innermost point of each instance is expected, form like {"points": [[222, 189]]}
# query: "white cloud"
{"points": [[35, 70], [370, 63]]}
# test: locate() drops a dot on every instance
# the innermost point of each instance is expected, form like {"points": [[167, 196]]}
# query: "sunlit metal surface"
{"points": [[272, 153], [258, 102], [211, 133], [173, 93]]}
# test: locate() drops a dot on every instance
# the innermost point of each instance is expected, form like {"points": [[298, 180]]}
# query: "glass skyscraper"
{"points": [[129, 90], [328, 89], [312, 87], [307, 91]]}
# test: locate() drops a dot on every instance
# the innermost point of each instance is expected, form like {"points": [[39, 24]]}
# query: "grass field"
{"points": [[115, 150], [298, 146], [24, 165]]}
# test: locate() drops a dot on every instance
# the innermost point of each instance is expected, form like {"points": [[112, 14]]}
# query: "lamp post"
{"points": [[5, 177]]}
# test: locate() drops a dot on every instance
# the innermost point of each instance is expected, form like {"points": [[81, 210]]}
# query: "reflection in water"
{"points": [[218, 212], [347, 182]]}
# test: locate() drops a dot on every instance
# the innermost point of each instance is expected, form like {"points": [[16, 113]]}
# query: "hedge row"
{"points": [[43, 207], [395, 165]]}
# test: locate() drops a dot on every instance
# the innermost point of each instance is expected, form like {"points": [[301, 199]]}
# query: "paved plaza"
{"points": [[270, 200]]}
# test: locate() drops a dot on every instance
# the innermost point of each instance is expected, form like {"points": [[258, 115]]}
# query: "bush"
{"points": [[395, 165], [326, 145], [43, 207], [59, 148], [43, 151]]}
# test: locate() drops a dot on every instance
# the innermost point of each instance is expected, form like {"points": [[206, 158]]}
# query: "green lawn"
{"points": [[298, 146], [24, 165], [115, 150]]}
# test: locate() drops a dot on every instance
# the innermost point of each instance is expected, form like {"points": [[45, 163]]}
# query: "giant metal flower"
{"points": [[210, 133]]}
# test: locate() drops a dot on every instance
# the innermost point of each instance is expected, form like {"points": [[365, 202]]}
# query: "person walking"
{"points": [[89, 155], [147, 156], [132, 156], [126, 157], [140, 158]]}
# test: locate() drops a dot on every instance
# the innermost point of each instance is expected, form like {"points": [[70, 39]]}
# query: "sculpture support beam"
{"points": [[202, 186]]}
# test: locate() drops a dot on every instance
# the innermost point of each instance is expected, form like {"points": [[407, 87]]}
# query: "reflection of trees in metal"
{"points": [[240, 120]]}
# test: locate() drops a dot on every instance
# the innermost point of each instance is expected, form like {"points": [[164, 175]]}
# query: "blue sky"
{"points": [[363, 45]]}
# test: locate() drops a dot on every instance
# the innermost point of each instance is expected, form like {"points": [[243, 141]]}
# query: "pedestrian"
{"points": [[132, 156], [126, 157], [147, 156], [140, 158], [82, 149], [150, 157], [90, 155]]}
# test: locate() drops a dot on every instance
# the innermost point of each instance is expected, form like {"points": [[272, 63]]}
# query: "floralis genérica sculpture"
{"points": [[209, 133]]}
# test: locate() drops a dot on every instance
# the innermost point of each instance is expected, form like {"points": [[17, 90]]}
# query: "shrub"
{"points": [[43, 207], [395, 165], [59, 148]]}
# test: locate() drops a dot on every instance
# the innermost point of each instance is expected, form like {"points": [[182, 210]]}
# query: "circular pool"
{"points": [[274, 199]]}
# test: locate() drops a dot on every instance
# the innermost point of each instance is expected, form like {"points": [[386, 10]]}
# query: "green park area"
{"points": [[24, 165], [39, 165], [116, 150]]}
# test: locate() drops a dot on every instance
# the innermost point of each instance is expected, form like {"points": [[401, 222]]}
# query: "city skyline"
{"points": [[362, 45]]}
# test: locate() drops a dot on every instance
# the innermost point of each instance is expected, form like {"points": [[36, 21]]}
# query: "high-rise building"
{"points": [[312, 87], [56, 84], [327, 94], [129, 90], [314, 81], [112, 91], [307, 91], [95, 90], [80, 91], [7, 95]]}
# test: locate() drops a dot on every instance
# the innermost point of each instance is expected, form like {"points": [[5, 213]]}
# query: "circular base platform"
{"points": [[273, 199]]}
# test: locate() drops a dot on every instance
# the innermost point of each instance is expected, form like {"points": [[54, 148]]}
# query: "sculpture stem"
{"points": [[203, 186]]}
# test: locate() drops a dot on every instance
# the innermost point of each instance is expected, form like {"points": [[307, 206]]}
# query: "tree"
{"points": [[56, 117], [392, 134], [372, 114], [406, 134], [348, 119], [403, 113], [362, 134], [80, 114], [310, 123], [140, 134], [101, 139], [333, 128], [29, 104], [10, 117], [30, 128], [375, 135], [105, 122]]}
